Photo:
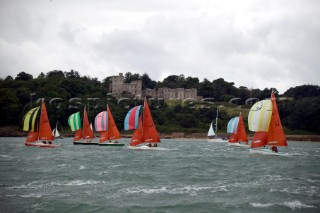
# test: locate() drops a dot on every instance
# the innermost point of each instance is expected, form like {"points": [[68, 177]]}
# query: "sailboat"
{"points": [[84, 135], [144, 128], [212, 134], [239, 135], [104, 123], [56, 133], [39, 128], [265, 121]]}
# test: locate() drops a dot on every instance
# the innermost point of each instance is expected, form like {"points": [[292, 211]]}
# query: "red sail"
{"points": [[32, 137], [150, 133], [78, 135], [87, 131], [45, 132], [259, 139], [137, 134], [276, 135], [233, 138], [112, 127], [113, 132], [241, 131]]}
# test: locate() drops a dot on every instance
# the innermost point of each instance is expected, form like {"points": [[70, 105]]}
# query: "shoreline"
{"points": [[11, 131]]}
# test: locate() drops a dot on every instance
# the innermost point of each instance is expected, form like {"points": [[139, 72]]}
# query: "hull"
{"points": [[145, 147], [217, 140], [84, 143], [264, 152], [239, 144], [111, 144], [42, 145]]}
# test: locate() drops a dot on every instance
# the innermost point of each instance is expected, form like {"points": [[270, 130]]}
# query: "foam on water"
{"points": [[291, 204], [191, 177]]}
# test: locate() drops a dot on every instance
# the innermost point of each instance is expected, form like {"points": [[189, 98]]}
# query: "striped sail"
{"points": [[132, 118], [233, 125], [260, 116], [74, 121], [29, 119], [101, 121]]}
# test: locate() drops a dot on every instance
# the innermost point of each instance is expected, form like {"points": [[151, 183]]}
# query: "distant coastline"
{"points": [[12, 131]]}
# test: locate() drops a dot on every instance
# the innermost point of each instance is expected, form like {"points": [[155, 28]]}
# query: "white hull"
{"points": [[264, 152], [145, 147], [217, 140], [239, 144], [42, 145]]}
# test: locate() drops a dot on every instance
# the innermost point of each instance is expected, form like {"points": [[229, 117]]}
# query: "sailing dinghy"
{"points": [[109, 133], [239, 135], [39, 128], [212, 134], [139, 118], [84, 135], [265, 121]]}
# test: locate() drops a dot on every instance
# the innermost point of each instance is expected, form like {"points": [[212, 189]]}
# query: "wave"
{"points": [[291, 204], [191, 190], [6, 156]]}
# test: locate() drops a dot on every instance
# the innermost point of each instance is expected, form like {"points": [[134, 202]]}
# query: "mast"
{"points": [[144, 103], [83, 122], [39, 121], [216, 123]]}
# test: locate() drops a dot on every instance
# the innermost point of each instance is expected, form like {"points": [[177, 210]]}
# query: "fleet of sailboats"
{"points": [[263, 119]]}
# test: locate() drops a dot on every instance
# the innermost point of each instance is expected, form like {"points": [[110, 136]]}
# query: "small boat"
{"points": [[83, 136], [265, 121], [239, 135], [38, 126], [212, 136], [56, 133], [140, 120], [109, 133]]}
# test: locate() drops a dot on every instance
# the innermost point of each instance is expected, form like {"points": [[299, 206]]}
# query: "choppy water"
{"points": [[186, 177]]}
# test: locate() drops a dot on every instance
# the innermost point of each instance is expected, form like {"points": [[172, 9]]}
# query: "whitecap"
{"points": [[82, 167], [81, 182], [6, 156], [262, 205], [32, 195], [297, 205]]}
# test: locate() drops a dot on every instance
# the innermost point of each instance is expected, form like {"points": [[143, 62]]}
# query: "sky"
{"points": [[256, 44]]}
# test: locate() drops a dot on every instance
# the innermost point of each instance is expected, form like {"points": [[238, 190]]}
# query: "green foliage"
{"points": [[68, 92]]}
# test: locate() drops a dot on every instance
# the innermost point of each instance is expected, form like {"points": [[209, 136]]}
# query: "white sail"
{"points": [[211, 131], [55, 133]]}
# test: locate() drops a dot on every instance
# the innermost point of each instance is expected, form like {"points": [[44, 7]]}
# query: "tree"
{"points": [[8, 78], [24, 76], [55, 74], [147, 82], [303, 91], [72, 74]]}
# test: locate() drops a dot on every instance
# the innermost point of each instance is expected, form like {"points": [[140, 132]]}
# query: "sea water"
{"points": [[187, 176]]}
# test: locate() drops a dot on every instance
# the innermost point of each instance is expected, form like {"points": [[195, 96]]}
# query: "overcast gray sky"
{"points": [[255, 44]]}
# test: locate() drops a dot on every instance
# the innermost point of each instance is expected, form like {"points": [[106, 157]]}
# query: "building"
{"points": [[118, 87], [134, 88]]}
